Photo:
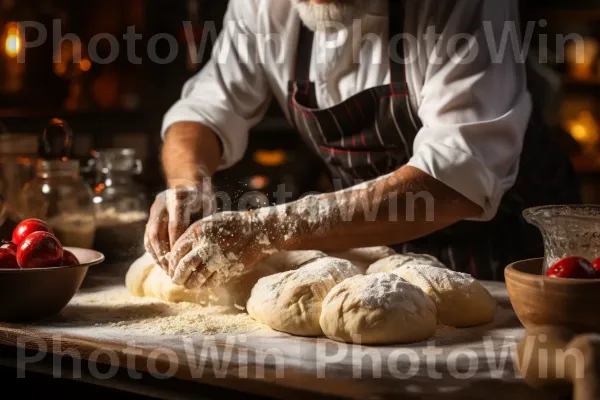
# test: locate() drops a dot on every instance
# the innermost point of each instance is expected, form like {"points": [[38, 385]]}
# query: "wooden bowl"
{"points": [[27, 295], [559, 302]]}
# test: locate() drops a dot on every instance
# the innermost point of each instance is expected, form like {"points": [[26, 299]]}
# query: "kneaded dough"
{"points": [[460, 299], [137, 274], [291, 301], [146, 279], [390, 263], [380, 308], [364, 256]]}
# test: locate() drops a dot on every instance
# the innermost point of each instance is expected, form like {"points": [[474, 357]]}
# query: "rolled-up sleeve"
{"points": [[473, 102], [230, 94]]}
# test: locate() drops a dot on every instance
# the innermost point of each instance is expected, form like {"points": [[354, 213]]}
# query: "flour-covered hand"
{"points": [[172, 213], [218, 248]]}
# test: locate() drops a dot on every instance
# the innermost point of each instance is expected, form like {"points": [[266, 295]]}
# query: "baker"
{"points": [[431, 134]]}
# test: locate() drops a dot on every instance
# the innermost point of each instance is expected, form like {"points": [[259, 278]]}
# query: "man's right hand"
{"points": [[171, 215]]}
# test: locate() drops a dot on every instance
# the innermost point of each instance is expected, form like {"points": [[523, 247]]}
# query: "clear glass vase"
{"points": [[59, 195], [568, 230], [120, 205]]}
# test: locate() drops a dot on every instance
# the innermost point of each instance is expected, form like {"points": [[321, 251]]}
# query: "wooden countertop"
{"points": [[462, 364]]}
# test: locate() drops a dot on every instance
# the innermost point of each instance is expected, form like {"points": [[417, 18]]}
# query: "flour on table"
{"points": [[117, 308]]}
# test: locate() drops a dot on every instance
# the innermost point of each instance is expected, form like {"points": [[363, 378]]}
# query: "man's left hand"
{"points": [[218, 248]]}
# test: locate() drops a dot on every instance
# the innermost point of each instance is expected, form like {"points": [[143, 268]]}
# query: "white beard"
{"points": [[318, 17]]}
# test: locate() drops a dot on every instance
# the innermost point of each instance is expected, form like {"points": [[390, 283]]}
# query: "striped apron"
{"points": [[372, 134]]}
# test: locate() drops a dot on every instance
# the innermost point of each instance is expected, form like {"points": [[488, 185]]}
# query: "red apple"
{"points": [[596, 265], [69, 259], [27, 227], [9, 245], [40, 250], [572, 267], [8, 259]]}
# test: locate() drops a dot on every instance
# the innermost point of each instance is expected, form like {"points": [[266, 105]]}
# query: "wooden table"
{"points": [[461, 364]]}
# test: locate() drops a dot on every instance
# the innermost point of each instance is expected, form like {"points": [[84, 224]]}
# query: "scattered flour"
{"points": [[116, 308]]}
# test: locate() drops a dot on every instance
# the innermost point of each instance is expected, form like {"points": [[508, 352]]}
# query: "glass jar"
{"points": [[59, 195], [121, 205], [567, 230]]}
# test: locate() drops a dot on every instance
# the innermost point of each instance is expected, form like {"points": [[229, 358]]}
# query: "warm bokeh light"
{"points": [[270, 158], [584, 129], [60, 68], [85, 65], [13, 42], [99, 188], [258, 182]]}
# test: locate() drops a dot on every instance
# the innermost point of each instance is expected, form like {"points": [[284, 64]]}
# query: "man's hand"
{"points": [[190, 155], [172, 213], [218, 248]]}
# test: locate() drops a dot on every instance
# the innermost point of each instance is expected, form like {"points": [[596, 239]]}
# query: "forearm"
{"points": [[396, 208], [190, 151]]}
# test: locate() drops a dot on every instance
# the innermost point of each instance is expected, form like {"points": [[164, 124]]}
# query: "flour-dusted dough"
{"points": [[137, 274], [291, 301], [460, 299], [146, 279], [390, 263], [380, 308], [364, 256]]}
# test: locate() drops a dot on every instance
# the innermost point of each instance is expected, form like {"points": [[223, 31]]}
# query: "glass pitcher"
{"points": [[567, 230], [120, 204], [59, 195]]}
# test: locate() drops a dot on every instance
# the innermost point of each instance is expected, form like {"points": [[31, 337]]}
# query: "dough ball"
{"points": [[460, 299], [241, 287], [137, 274], [146, 279], [380, 308], [364, 256], [159, 285], [288, 260], [390, 263], [291, 301]]}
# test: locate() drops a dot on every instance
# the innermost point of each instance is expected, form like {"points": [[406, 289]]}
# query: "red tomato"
{"points": [[9, 245], [572, 267], [596, 265], [8, 259], [27, 227], [40, 250], [69, 259]]}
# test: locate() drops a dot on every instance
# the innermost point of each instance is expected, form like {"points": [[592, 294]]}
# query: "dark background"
{"points": [[121, 104]]}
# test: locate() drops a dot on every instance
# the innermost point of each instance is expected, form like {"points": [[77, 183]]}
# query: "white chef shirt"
{"points": [[474, 114]]}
